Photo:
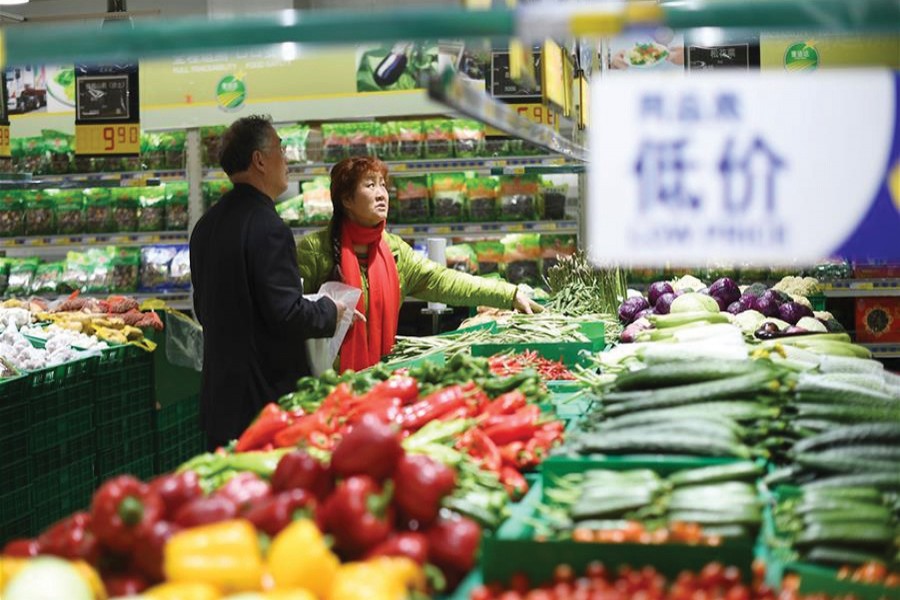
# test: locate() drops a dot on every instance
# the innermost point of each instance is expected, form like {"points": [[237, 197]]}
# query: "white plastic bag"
{"points": [[321, 352]]}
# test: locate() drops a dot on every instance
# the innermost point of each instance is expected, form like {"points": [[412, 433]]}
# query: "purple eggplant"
{"points": [[725, 290], [664, 303], [631, 307], [657, 289], [791, 312]]}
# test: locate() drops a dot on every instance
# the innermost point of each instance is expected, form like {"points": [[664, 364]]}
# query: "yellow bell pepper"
{"points": [[224, 554], [299, 558], [297, 594], [378, 579], [9, 568], [182, 591]]}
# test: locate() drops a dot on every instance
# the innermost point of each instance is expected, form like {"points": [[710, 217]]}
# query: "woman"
{"points": [[356, 250]]}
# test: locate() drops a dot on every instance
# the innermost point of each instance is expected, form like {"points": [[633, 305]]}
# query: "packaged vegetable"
{"points": [[412, 199], [213, 190], [99, 265], [97, 210], [152, 216], [39, 213], [180, 268], [31, 155], [334, 142], [317, 206], [69, 211], [155, 262], [12, 213], [468, 137], [410, 137], [375, 139], [209, 140], [126, 264], [152, 152], [21, 275], [482, 197], [293, 142], [393, 203], [4, 274], [46, 278], [518, 196], [291, 210], [172, 145], [438, 138], [489, 254], [496, 146], [125, 206], [59, 148], [177, 198], [462, 257], [554, 201], [522, 254], [76, 273], [357, 135], [448, 196]]}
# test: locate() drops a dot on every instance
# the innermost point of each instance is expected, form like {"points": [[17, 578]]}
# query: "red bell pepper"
{"points": [[245, 489], [359, 515], [453, 544], [120, 507], [204, 511], [399, 386], [299, 470], [484, 449], [71, 538], [420, 483], [148, 559], [514, 482], [124, 585], [297, 432], [415, 416], [275, 513], [176, 489], [21, 548], [262, 431], [371, 447], [410, 544]]}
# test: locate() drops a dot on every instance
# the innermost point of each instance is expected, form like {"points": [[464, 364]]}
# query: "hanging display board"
{"points": [[107, 110], [769, 170]]}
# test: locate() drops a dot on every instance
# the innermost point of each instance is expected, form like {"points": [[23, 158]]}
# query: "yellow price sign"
{"points": [[123, 138], [5, 147], [534, 112]]}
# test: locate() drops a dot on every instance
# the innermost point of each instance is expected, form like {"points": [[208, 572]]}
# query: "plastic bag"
{"points": [[184, 341], [152, 216], [323, 351], [412, 199], [12, 214], [448, 197]]}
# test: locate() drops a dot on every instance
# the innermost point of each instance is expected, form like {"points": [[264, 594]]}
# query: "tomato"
{"points": [[871, 572], [563, 573], [596, 570], [738, 592], [510, 595], [539, 595], [712, 575], [481, 593], [519, 583]]}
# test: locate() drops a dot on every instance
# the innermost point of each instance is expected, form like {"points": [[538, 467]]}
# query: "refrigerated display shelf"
{"points": [[454, 230], [857, 288], [86, 180], [80, 240], [884, 350]]}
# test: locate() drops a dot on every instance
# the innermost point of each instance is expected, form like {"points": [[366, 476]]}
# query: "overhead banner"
{"points": [[769, 170]]}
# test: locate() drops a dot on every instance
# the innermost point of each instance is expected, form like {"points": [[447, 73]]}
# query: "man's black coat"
{"points": [[249, 298]]}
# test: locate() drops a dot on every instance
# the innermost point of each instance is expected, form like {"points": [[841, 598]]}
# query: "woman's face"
{"points": [[369, 205]]}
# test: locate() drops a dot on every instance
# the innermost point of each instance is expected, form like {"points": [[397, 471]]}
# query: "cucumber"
{"points": [[869, 495], [749, 517], [661, 444], [865, 452], [631, 477], [686, 318], [665, 375], [602, 524], [839, 556], [847, 517], [737, 410], [816, 504], [882, 481], [694, 392], [728, 531], [728, 488], [848, 414], [871, 433], [705, 429], [844, 364], [844, 464], [824, 388], [816, 426], [594, 509], [838, 533], [724, 505], [871, 381], [730, 472], [654, 418]]}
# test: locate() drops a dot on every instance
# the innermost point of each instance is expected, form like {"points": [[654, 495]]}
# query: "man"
{"points": [[247, 289]]}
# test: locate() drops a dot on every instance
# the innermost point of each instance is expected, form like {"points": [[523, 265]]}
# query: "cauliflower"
{"points": [[799, 286]]}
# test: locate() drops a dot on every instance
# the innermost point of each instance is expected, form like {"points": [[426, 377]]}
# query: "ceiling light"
{"points": [[12, 2]]}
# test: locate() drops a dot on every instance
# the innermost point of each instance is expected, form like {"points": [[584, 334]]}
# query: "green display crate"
{"points": [[62, 454], [61, 428], [174, 450], [13, 446], [16, 501], [69, 398], [175, 413], [123, 389], [118, 433], [490, 326], [135, 447], [143, 468], [820, 580], [564, 387], [47, 383], [20, 527], [817, 302], [63, 491], [15, 472]]}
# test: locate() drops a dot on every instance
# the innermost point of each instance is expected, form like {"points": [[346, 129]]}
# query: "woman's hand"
{"points": [[524, 304]]}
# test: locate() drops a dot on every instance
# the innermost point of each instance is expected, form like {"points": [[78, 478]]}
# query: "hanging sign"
{"points": [[5, 147], [107, 110], [772, 170]]}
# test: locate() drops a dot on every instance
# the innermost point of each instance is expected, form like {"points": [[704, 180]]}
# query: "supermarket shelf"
{"points": [[858, 288], [884, 350], [513, 165], [77, 241], [453, 230], [83, 180]]}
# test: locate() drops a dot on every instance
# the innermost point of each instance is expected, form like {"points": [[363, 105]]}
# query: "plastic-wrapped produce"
{"points": [[554, 246], [438, 138], [59, 148], [39, 212], [99, 265], [177, 198], [97, 210], [317, 206], [410, 136], [31, 156], [4, 274], [468, 138], [125, 207], [518, 197], [12, 213], [75, 273], [213, 190], [46, 278], [152, 152], [462, 257], [489, 254], [412, 199], [21, 275], [358, 135], [291, 211], [334, 142], [554, 201], [172, 146], [126, 263], [448, 197], [155, 261], [152, 216], [293, 141], [482, 195], [69, 211], [522, 255], [180, 269], [209, 140]]}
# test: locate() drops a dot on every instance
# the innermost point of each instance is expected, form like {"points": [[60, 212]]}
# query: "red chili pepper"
{"points": [[386, 409], [299, 470], [371, 447], [71, 538], [275, 513], [514, 482], [120, 507], [298, 431], [262, 431], [463, 412], [510, 452], [124, 585], [420, 483], [204, 511], [320, 440], [399, 386], [505, 404], [432, 406], [245, 489], [22, 548], [453, 544], [410, 544], [483, 448], [518, 427], [358, 514], [176, 489], [151, 542]]}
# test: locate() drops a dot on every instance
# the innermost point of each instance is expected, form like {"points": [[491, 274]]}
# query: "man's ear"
{"points": [[256, 159]]}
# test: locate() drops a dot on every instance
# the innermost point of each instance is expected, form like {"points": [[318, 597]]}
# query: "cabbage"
{"points": [[657, 289], [692, 302], [735, 308], [748, 302], [48, 578], [768, 304], [749, 320], [811, 324], [629, 309], [725, 290], [793, 312], [688, 283], [664, 304], [755, 289]]}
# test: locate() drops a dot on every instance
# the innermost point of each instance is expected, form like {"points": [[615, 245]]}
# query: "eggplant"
{"points": [[792, 312], [725, 290], [664, 303], [629, 309], [657, 289]]}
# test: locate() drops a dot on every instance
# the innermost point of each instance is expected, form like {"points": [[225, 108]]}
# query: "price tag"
{"points": [[534, 112], [318, 171], [399, 167], [5, 149], [443, 230], [108, 139], [514, 170], [549, 226], [515, 227], [863, 285]]}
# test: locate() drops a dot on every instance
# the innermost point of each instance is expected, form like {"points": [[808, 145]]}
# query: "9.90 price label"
{"points": [[122, 138]]}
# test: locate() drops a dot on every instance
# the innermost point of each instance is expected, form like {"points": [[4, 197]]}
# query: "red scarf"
{"points": [[366, 343]]}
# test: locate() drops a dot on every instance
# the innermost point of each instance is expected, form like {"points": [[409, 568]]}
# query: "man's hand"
{"points": [[524, 304]]}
